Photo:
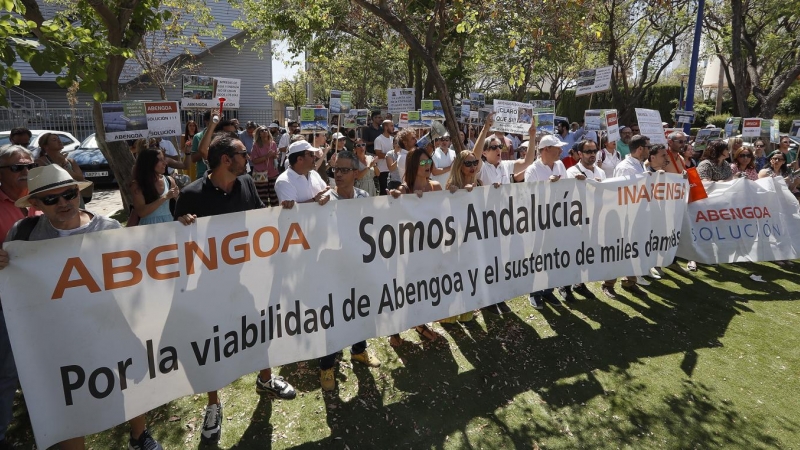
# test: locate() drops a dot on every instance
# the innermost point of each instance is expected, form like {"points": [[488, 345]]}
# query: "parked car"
{"points": [[69, 141], [92, 162]]}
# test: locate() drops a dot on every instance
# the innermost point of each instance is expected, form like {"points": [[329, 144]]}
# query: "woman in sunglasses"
{"points": [[778, 168], [417, 180], [743, 164], [760, 154], [367, 168], [151, 189]]}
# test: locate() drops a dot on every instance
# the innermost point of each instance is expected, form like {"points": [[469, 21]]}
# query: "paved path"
{"points": [[105, 201]]}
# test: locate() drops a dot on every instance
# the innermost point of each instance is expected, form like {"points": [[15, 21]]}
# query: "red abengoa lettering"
{"points": [[123, 269], [748, 212]]}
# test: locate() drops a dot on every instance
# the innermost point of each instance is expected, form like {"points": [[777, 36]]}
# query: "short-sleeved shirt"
{"points": [[501, 173], [386, 145], [608, 161], [169, 150], [714, 172], [357, 193], [397, 173], [369, 134], [539, 171], [580, 169], [10, 214], [628, 167], [442, 160], [290, 185], [623, 148], [200, 166], [203, 199], [247, 140]]}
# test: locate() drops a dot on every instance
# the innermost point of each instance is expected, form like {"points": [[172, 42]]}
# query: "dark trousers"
{"points": [[383, 181], [326, 362]]}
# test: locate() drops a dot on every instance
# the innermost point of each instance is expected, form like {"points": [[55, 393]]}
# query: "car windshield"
{"points": [[90, 142]]}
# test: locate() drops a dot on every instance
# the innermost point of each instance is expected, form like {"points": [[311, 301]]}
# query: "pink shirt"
{"points": [[267, 165], [10, 214]]}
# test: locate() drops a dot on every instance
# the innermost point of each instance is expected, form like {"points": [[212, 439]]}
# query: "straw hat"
{"points": [[41, 179]]}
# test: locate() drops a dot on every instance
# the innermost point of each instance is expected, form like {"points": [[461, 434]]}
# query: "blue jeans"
{"points": [[8, 378], [326, 362]]}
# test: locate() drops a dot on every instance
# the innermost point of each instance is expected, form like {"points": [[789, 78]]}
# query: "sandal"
{"points": [[426, 332], [395, 340]]}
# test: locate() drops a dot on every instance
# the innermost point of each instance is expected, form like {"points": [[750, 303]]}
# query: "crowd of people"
{"points": [[245, 168]]}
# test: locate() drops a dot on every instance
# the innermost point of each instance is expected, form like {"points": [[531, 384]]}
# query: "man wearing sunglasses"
{"points": [[15, 164], [53, 192], [676, 143], [300, 183], [20, 136]]}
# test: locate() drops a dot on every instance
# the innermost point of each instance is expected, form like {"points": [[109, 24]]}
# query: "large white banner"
{"points": [[740, 221], [109, 325]]}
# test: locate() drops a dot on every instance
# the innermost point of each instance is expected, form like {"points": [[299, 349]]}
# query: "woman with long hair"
{"points": [[151, 189], [417, 180], [779, 168], [713, 166], [50, 153], [262, 157], [743, 164], [608, 157]]}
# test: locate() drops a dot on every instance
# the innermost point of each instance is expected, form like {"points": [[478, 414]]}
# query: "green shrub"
{"points": [[718, 120]]}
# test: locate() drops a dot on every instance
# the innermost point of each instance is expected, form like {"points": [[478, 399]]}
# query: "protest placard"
{"points": [[742, 221], [201, 92], [432, 110], [594, 80], [106, 326], [400, 100], [415, 119], [339, 102], [543, 106], [795, 130], [545, 123], [512, 117], [732, 126], [403, 123], [650, 125], [705, 136], [313, 119], [683, 117], [124, 120], [751, 127], [163, 119]]}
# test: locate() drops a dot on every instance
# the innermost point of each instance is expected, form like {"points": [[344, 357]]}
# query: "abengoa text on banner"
{"points": [[109, 325], [742, 220]]}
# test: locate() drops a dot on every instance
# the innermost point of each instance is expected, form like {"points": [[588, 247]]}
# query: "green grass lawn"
{"points": [[708, 360]]}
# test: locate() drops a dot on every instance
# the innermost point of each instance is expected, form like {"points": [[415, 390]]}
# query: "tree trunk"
{"points": [[117, 154]]}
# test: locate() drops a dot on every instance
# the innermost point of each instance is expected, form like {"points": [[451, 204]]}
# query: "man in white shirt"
{"points": [[633, 164], [443, 157], [300, 183], [547, 168], [585, 168], [384, 144], [495, 170]]}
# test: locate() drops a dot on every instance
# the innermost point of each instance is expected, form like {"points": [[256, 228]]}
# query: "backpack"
{"points": [[25, 228]]}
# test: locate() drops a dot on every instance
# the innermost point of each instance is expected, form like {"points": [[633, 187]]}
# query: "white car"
{"points": [[69, 141]]}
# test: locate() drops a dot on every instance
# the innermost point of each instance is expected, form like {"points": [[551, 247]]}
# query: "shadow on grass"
{"points": [[510, 359]]}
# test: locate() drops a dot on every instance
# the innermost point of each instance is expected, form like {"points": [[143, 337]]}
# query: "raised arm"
{"points": [[478, 150]]}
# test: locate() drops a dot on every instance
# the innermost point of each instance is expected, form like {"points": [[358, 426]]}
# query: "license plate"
{"points": [[96, 174]]}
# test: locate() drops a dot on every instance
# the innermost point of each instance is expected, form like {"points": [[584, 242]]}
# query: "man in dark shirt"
{"points": [[226, 188]]}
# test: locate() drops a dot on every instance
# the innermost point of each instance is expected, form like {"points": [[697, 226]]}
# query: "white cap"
{"points": [[300, 146], [550, 141]]}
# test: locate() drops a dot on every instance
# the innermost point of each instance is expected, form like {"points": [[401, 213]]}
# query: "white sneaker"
{"points": [[656, 273], [212, 424]]}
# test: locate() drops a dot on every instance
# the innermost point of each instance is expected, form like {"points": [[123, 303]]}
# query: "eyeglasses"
{"points": [[589, 152], [784, 142], [760, 146], [342, 139], [495, 147], [51, 200], [361, 145], [745, 155], [471, 163], [775, 158], [19, 167], [342, 170], [445, 139], [425, 162]]}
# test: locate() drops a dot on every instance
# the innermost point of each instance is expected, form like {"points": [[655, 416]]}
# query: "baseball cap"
{"points": [[550, 141], [300, 146]]}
